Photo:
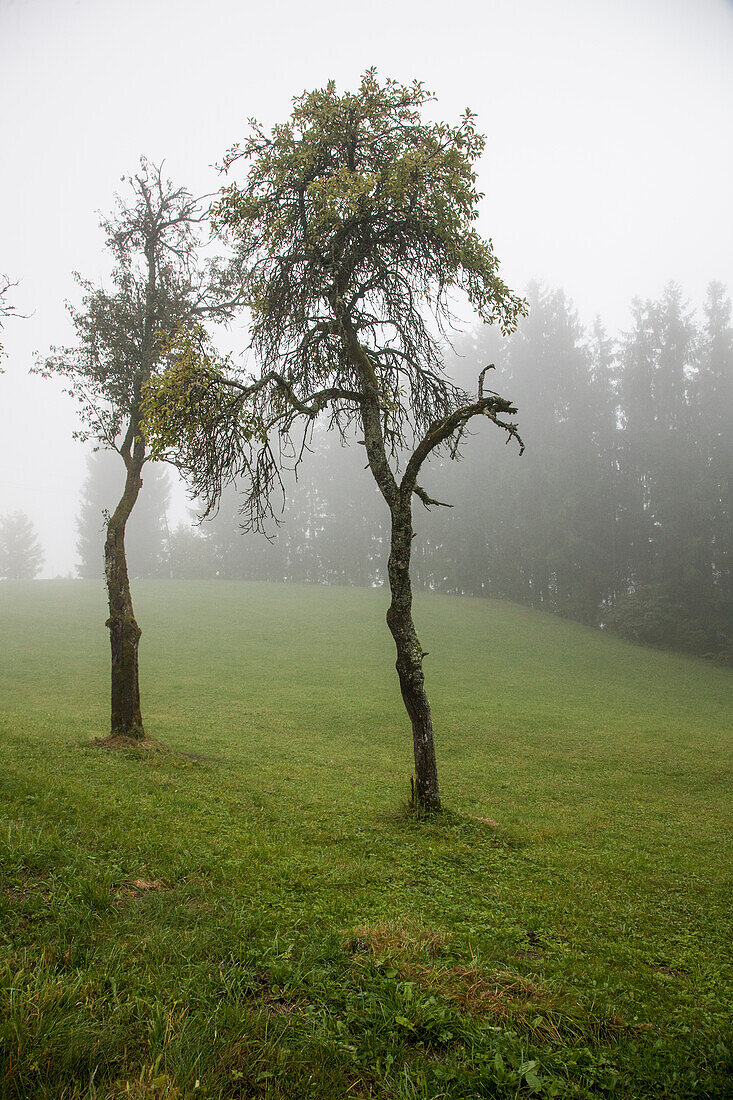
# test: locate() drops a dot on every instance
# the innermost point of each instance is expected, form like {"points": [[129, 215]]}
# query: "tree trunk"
{"points": [[426, 794], [124, 633], [410, 656]]}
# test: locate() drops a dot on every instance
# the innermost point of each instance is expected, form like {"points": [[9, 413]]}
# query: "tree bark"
{"points": [[410, 656], [426, 793], [124, 632]]}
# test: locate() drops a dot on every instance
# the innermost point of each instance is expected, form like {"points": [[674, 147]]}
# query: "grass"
{"points": [[247, 910]]}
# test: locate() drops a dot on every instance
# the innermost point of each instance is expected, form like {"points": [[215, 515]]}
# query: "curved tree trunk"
{"points": [[410, 657], [426, 794], [124, 633]]}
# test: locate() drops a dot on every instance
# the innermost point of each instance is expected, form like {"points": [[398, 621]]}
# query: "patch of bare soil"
{"points": [[24, 885], [271, 997], [138, 887], [673, 971]]}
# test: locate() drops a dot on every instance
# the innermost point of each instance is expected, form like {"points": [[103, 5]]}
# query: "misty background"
{"points": [[606, 179]]}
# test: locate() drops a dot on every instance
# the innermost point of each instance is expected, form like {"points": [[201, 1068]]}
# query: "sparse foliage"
{"points": [[7, 309], [355, 221], [160, 284]]}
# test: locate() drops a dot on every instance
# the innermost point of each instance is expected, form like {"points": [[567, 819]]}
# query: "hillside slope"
{"points": [[253, 909]]}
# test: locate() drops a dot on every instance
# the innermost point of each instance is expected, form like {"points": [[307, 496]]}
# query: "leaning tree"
{"points": [[160, 284], [355, 222]]}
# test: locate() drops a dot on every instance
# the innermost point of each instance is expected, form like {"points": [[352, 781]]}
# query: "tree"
{"points": [[159, 285], [675, 461], [712, 401], [355, 222], [21, 556]]}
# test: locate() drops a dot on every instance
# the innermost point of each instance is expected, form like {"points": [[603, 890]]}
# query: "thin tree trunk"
{"points": [[124, 633], [410, 657], [399, 614]]}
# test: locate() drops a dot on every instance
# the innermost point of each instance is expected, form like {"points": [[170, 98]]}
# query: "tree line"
{"points": [[618, 514]]}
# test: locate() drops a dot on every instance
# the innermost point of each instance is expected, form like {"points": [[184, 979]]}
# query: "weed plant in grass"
{"points": [[244, 909]]}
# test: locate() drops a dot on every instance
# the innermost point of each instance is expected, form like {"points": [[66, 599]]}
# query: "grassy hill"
{"points": [[253, 913]]}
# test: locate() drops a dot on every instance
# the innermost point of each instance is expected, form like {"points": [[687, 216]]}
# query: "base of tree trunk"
{"points": [[124, 634], [422, 807]]}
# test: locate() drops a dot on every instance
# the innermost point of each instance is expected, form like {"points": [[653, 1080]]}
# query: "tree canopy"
{"points": [[355, 226], [158, 284]]}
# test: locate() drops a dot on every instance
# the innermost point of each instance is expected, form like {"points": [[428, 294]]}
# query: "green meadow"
{"points": [[248, 909]]}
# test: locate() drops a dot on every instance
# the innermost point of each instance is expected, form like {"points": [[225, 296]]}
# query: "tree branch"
{"points": [[441, 430], [427, 500]]}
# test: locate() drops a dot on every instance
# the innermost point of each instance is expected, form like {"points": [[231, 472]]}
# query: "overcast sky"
{"points": [[608, 171]]}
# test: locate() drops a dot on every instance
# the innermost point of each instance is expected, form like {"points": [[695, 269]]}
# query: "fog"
{"points": [[607, 170]]}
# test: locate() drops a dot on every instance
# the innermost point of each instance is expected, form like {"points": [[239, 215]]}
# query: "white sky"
{"points": [[609, 169]]}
